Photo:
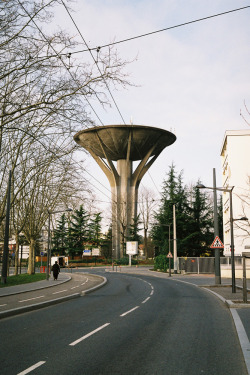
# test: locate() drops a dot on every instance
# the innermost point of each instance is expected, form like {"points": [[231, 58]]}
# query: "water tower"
{"points": [[115, 148]]}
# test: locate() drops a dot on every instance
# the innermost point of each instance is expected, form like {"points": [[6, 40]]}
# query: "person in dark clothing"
{"points": [[56, 270]]}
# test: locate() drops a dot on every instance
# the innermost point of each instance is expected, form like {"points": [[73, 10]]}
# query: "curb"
{"points": [[37, 306], [42, 287], [40, 305], [95, 287], [228, 302]]}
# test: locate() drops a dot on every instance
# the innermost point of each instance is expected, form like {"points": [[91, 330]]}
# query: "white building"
{"points": [[235, 154]]}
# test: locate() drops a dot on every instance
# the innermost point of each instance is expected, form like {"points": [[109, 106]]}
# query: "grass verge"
{"points": [[23, 279]]}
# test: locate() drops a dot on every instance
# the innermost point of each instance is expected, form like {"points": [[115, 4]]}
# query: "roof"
{"points": [[234, 133]]}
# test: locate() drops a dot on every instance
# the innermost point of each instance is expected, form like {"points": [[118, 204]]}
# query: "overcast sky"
{"points": [[192, 80]]}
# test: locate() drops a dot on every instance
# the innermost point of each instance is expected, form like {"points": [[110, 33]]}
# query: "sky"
{"points": [[192, 80]]}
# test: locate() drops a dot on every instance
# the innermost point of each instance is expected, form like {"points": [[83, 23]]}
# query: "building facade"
{"points": [[235, 155]]}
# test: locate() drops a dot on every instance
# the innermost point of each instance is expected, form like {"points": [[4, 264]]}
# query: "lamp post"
{"points": [[228, 190], [49, 249]]}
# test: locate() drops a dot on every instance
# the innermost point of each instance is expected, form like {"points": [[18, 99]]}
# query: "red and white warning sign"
{"points": [[217, 244], [170, 255]]}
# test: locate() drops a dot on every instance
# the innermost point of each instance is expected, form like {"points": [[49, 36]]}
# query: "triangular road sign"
{"points": [[170, 255], [217, 244]]}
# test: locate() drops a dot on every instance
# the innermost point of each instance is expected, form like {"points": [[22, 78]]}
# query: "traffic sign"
{"points": [[170, 255], [217, 244]]}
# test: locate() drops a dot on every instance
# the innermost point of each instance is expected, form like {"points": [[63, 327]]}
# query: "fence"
{"points": [[206, 265]]}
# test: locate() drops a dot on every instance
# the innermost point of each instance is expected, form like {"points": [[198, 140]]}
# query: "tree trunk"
{"points": [[31, 267], [16, 255], [146, 243]]}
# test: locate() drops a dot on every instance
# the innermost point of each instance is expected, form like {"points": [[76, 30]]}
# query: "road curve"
{"points": [[133, 325]]}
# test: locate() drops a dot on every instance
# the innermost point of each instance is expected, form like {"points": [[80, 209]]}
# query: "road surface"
{"points": [[133, 325]]}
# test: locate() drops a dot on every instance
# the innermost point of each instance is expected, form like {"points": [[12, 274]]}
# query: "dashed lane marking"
{"points": [[30, 299], [89, 334], [60, 291], [38, 364], [146, 300], [128, 312]]}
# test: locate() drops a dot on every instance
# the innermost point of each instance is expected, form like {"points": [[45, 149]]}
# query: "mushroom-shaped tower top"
{"points": [[116, 138]]}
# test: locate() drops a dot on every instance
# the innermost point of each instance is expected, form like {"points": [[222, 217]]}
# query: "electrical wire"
{"points": [[149, 33], [96, 63], [58, 55], [158, 31]]}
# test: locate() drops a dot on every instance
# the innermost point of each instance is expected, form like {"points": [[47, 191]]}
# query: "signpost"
{"points": [[169, 256]]}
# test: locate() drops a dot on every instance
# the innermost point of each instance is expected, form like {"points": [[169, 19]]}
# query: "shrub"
{"points": [[125, 261], [161, 263]]}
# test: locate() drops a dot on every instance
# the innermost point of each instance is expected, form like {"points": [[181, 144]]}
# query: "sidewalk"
{"points": [[19, 299], [22, 288]]}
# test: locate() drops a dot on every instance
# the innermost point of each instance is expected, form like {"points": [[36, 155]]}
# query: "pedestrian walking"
{"points": [[56, 270]]}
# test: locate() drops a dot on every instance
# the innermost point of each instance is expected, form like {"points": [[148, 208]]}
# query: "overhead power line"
{"points": [[96, 63], [161, 30]]}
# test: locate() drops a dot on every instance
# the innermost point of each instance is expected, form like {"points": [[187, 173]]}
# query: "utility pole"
{"points": [[6, 236], [175, 242], [216, 233]]}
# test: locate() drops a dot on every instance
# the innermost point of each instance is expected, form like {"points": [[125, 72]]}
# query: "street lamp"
{"points": [[49, 250], [228, 190]]}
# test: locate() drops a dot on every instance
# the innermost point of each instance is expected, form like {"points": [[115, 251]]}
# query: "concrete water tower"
{"points": [[124, 144]]}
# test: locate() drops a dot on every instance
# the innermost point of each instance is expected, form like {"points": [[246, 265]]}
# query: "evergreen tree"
{"points": [[200, 224], [134, 230], [78, 231], [95, 229], [59, 236], [173, 193], [107, 244], [193, 218]]}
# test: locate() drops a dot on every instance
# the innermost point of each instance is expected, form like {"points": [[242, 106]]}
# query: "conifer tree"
{"points": [[134, 230], [193, 218], [78, 230], [59, 237], [95, 229], [173, 193]]}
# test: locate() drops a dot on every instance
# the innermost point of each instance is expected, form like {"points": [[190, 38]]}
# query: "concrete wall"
{"points": [[235, 155]]}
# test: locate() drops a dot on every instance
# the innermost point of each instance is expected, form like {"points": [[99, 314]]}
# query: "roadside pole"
{"points": [[6, 236]]}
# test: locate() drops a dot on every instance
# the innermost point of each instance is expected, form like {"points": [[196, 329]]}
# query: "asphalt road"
{"points": [[133, 325]]}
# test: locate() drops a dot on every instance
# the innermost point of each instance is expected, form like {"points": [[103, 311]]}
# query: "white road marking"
{"points": [[152, 292], [88, 334], [146, 300], [127, 312], [244, 342], [30, 299], [73, 287], [85, 281], [3, 304], [38, 364], [60, 291]]}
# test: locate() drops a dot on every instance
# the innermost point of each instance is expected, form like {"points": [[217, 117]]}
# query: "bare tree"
{"points": [[43, 102], [147, 205]]}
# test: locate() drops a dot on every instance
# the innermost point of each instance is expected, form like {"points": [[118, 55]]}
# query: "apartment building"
{"points": [[235, 155]]}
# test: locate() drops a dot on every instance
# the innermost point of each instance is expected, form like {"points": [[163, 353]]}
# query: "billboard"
{"points": [[132, 247], [86, 252]]}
